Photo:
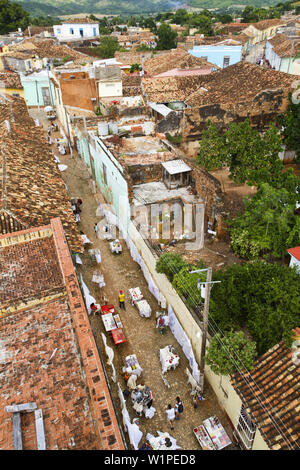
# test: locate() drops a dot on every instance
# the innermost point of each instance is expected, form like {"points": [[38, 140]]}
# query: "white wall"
{"points": [[110, 89], [63, 31]]}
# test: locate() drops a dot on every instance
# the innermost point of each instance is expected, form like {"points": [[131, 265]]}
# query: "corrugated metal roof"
{"points": [[174, 167], [160, 108]]}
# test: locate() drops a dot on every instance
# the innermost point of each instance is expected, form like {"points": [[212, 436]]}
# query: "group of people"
{"points": [[76, 208], [51, 128], [173, 413]]}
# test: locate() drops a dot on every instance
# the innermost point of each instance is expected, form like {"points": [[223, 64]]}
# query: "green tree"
{"points": [[186, 284], [262, 297], [170, 264], [166, 37], [229, 353], [224, 18], [12, 17], [250, 15], [268, 224], [107, 47], [290, 121], [212, 148], [252, 157], [203, 24], [135, 68]]}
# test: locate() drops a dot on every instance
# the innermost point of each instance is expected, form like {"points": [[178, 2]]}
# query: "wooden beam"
{"points": [[39, 427], [21, 408], [17, 433]]}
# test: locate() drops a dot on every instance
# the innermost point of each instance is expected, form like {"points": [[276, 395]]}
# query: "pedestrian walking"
{"points": [[178, 408], [122, 300], [78, 204], [96, 229], [170, 415]]}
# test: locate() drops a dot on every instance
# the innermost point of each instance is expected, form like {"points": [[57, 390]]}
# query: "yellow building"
{"points": [[262, 30], [10, 83]]}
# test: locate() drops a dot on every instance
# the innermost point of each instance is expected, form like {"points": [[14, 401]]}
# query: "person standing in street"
{"points": [[178, 408], [96, 229], [122, 300], [170, 415]]}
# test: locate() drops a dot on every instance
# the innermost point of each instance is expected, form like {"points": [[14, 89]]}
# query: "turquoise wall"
{"points": [[33, 90], [115, 188]]}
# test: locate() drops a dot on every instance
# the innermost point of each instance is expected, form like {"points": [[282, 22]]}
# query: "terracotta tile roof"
{"points": [[29, 270], [184, 72], [295, 252], [177, 58], [265, 24], [79, 21], [10, 80], [238, 83], [43, 48], [275, 394], [168, 89], [31, 187], [286, 48], [48, 352], [38, 29], [279, 38]]}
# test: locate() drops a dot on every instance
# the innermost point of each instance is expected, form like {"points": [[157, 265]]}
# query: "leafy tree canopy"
{"points": [[263, 297], [252, 157], [268, 224], [166, 37], [107, 47], [290, 121], [170, 264], [229, 353], [12, 17]]}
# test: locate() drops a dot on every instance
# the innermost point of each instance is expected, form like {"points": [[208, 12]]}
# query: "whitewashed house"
{"points": [[76, 29]]}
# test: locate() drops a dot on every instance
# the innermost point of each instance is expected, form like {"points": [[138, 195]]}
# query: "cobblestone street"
{"points": [[143, 338]]}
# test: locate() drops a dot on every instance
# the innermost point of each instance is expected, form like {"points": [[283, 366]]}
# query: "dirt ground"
{"points": [[143, 338]]}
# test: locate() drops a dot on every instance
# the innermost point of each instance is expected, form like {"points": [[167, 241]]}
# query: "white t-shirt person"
{"points": [[170, 415]]}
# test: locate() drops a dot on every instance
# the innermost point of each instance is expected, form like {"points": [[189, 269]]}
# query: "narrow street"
{"points": [[143, 338]]}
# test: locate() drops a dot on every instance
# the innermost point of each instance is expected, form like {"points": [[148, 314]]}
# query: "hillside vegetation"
{"points": [[66, 7]]}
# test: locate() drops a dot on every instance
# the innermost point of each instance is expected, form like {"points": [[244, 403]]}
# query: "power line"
{"points": [[277, 427]]}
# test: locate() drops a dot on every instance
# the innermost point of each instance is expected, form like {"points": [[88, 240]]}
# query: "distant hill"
{"points": [[104, 7], [121, 7]]}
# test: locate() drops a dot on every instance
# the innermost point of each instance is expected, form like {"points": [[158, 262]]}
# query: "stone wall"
{"points": [[262, 110]]}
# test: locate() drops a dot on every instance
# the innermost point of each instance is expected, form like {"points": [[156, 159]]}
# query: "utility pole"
{"points": [[205, 324], [208, 286]]}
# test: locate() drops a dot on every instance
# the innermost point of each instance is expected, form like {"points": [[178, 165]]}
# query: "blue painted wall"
{"points": [[216, 54]]}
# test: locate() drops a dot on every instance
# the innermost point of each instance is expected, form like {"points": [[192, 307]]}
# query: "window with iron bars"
{"points": [[245, 430]]}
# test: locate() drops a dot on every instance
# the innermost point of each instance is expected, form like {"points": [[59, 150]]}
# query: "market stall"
{"points": [[216, 432], [162, 442], [108, 232], [141, 398], [169, 360], [85, 240], [140, 302], [132, 365], [110, 308], [95, 255], [143, 308], [113, 324], [135, 295], [203, 438], [108, 321], [211, 435], [115, 247], [118, 336]]}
